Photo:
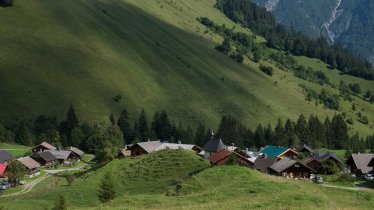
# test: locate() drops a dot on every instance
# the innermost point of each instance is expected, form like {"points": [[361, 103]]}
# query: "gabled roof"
{"points": [[274, 151], [46, 145], [60, 154], [3, 167], [216, 157], [76, 151], [285, 163], [263, 162], [47, 156], [4, 156], [305, 147], [214, 145], [149, 146], [29, 163], [322, 156], [362, 162], [176, 146]]}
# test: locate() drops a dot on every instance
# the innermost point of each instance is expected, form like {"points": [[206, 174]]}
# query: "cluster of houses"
{"points": [[273, 160], [43, 155]]}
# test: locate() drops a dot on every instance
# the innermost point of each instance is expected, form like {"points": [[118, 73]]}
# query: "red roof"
{"points": [[219, 156], [2, 168]]}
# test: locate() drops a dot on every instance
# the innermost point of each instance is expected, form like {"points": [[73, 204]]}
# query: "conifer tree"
{"points": [[279, 134], [112, 119], [124, 125], [107, 188], [143, 128]]}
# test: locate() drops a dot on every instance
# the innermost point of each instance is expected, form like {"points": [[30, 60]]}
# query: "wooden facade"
{"points": [[137, 150], [296, 171], [289, 153]]}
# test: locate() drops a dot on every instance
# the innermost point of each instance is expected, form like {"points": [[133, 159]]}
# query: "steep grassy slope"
{"points": [[149, 182], [153, 53]]}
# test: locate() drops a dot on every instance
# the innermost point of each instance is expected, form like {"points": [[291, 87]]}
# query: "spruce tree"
{"points": [[329, 136], [301, 128], [279, 134], [124, 126], [107, 188], [71, 119], [60, 203], [143, 128]]}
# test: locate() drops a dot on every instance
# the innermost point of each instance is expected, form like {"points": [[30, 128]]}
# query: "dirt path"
{"points": [[28, 186], [340, 187], [66, 169]]}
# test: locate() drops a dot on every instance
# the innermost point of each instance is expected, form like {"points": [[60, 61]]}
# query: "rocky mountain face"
{"points": [[348, 22]]}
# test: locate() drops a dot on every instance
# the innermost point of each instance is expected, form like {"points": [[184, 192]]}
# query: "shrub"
{"points": [[267, 70], [344, 177]]}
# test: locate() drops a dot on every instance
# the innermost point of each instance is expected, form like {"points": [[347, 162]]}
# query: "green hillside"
{"points": [[150, 182], [153, 53]]}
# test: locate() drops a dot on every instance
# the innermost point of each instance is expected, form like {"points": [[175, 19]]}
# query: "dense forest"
{"points": [[262, 22], [106, 138]]}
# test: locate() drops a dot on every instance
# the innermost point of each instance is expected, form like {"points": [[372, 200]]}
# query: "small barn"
{"points": [[359, 163], [42, 147], [290, 168], [142, 148], [30, 164], [316, 160], [45, 158], [76, 154], [225, 156], [263, 162]]}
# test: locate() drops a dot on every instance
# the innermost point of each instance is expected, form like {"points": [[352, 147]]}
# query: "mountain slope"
{"points": [[348, 22], [155, 54]]}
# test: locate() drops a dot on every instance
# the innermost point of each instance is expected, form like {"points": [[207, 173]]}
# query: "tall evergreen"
{"points": [[279, 134], [200, 135], [301, 129], [107, 188], [289, 132], [72, 120], [259, 137], [112, 119], [340, 130], [269, 137], [125, 127], [329, 134], [143, 128]]}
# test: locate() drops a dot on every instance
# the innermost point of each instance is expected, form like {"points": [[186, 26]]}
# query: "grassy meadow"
{"points": [[177, 179], [153, 53]]}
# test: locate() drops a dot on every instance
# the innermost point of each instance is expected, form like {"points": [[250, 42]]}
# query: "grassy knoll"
{"points": [[15, 149], [170, 180], [153, 53]]}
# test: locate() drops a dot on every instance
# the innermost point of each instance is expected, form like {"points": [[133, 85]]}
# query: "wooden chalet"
{"points": [[30, 164], [222, 157], [42, 147], [142, 148], [45, 158], [5, 156], [359, 164], [279, 152], [290, 168], [124, 153], [64, 157], [305, 149], [263, 162], [76, 154], [316, 160]]}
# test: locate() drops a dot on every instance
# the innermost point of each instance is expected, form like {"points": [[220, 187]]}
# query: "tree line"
{"points": [[262, 22], [105, 139]]}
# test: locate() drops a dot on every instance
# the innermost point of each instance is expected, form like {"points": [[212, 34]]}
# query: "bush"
{"points": [[344, 177], [267, 70], [237, 57]]}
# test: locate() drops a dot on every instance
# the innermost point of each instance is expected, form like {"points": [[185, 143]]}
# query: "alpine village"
{"points": [[186, 104]]}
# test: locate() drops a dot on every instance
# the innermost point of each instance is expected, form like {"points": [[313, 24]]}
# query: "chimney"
{"points": [[232, 144], [246, 150], [179, 142]]}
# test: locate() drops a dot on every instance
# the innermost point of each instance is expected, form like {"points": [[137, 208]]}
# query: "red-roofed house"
{"points": [[3, 167], [223, 156]]}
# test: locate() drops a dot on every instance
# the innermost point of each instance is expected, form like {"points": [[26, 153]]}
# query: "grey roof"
{"points": [[362, 162], [47, 155], [214, 145], [29, 163], [149, 146], [76, 151], [304, 147], [47, 145], [175, 146], [263, 162], [60, 154], [321, 156], [4, 156], [286, 163]]}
